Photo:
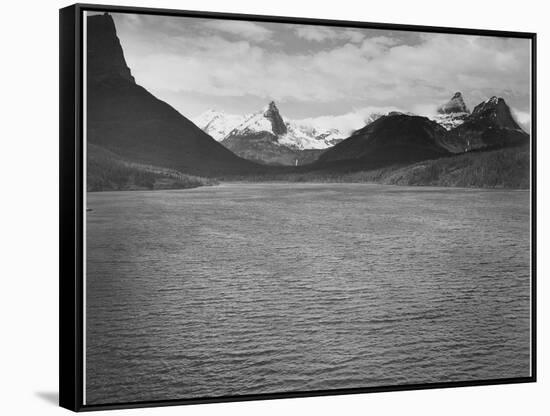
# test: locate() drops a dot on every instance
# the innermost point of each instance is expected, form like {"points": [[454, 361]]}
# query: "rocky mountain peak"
{"points": [[496, 110], [490, 105], [125, 119], [454, 105], [105, 58], [272, 114]]}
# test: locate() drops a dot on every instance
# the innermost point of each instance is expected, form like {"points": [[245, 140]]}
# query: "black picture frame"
{"points": [[71, 205]]}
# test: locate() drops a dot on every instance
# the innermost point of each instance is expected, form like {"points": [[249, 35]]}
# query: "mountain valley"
{"points": [[143, 142]]}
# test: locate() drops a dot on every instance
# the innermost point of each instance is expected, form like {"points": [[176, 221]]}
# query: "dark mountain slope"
{"points": [[106, 171], [392, 139], [502, 168], [491, 125], [126, 119], [262, 147]]}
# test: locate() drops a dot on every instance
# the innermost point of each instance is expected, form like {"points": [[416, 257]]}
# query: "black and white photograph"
{"points": [[280, 208]]}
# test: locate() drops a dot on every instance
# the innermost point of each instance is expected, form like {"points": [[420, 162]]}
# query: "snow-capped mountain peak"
{"points": [[293, 134], [302, 137], [452, 113], [252, 123], [217, 124]]}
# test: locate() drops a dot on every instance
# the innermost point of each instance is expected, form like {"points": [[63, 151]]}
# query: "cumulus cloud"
{"points": [[219, 58], [523, 118], [348, 122], [249, 30], [323, 33]]}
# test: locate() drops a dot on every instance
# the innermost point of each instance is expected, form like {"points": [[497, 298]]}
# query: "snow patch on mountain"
{"points": [[449, 121], [308, 133], [293, 134], [453, 113], [217, 124], [251, 124], [306, 137]]}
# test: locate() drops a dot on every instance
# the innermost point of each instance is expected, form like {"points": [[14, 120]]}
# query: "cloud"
{"points": [[348, 122], [249, 30], [523, 118], [222, 58], [322, 33]]}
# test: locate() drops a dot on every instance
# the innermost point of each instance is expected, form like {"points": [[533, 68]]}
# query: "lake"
{"points": [[262, 288]]}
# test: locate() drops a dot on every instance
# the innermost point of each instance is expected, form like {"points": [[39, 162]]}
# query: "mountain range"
{"points": [[490, 125], [399, 138], [132, 124], [138, 141], [394, 138], [295, 134], [265, 137], [256, 137]]}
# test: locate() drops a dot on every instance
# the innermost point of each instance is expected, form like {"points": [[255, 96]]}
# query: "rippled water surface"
{"points": [[261, 288]]}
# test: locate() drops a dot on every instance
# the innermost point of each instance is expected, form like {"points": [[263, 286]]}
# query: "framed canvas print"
{"points": [[260, 207]]}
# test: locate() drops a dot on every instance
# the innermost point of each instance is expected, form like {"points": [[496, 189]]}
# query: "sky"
{"points": [[330, 73]]}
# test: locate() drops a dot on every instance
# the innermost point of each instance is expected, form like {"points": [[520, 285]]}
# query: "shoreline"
{"points": [[319, 183]]}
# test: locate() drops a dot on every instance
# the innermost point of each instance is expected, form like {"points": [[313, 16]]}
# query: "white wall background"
{"points": [[29, 206]]}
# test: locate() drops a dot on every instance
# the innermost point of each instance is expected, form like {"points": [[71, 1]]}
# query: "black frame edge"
{"points": [[303, 20], [71, 207], [70, 210], [534, 207], [306, 394]]}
